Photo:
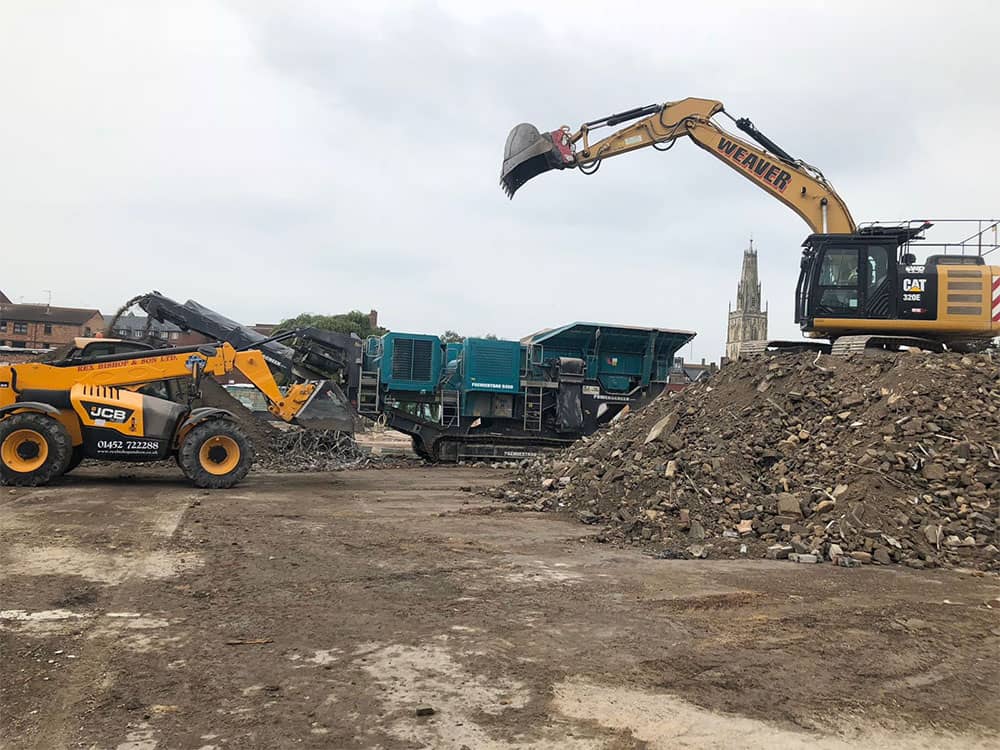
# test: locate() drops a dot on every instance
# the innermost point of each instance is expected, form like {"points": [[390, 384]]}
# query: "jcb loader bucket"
{"points": [[529, 153], [327, 409]]}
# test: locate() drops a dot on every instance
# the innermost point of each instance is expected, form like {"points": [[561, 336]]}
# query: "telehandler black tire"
{"points": [[215, 454], [75, 458], [34, 449]]}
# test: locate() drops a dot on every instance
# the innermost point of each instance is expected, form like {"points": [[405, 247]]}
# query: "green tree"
{"points": [[353, 322], [490, 336], [452, 337]]}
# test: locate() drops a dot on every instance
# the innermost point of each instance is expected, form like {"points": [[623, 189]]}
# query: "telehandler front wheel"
{"points": [[215, 454], [75, 458], [34, 449]]}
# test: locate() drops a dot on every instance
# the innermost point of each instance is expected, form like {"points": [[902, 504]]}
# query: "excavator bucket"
{"points": [[327, 409], [528, 153]]}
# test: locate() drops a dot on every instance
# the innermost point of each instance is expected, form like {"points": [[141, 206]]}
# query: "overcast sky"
{"points": [[268, 159]]}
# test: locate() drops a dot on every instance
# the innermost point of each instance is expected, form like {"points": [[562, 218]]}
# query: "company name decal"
{"points": [[108, 413], [755, 165]]}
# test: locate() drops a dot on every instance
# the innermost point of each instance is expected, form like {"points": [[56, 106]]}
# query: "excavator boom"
{"points": [[803, 188]]}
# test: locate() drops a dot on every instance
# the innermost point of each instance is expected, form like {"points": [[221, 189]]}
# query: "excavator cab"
{"points": [[857, 276], [846, 276], [529, 153], [868, 284]]}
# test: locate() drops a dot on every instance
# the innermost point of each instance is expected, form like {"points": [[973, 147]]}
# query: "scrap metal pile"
{"points": [[298, 450], [288, 448], [888, 458]]}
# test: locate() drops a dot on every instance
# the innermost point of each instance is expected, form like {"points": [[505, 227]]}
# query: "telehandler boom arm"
{"points": [[157, 365], [795, 183]]}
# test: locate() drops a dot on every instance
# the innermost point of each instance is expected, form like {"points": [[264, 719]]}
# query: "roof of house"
{"points": [[47, 314], [4, 299], [694, 371]]}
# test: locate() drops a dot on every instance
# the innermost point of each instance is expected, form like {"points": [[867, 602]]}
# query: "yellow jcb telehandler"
{"points": [[55, 414]]}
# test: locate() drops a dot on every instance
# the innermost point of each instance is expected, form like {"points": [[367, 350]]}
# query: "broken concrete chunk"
{"points": [[800, 557], [824, 505], [788, 505], [933, 472], [881, 556], [697, 531], [778, 552], [675, 441], [662, 428], [685, 519]]}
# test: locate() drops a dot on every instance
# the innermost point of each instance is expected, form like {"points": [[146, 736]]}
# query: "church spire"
{"points": [[748, 291], [747, 322]]}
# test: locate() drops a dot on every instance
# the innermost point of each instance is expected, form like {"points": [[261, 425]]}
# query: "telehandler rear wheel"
{"points": [[215, 454], [34, 449]]}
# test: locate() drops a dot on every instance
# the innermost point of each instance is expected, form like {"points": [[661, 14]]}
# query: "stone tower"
{"points": [[747, 322]]}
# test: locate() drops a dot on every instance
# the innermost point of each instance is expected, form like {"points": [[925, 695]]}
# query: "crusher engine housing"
{"points": [[487, 398]]}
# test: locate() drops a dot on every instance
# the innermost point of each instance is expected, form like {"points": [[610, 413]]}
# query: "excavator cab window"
{"points": [[878, 283], [854, 281], [839, 290], [878, 266]]}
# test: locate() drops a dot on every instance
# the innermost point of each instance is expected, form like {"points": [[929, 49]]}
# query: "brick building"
{"points": [[683, 374], [45, 326]]}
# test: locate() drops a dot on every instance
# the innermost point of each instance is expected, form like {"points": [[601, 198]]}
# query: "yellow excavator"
{"points": [[860, 286], [55, 414]]}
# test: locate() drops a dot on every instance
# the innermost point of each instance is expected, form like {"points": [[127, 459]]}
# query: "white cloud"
{"points": [[267, 159]]}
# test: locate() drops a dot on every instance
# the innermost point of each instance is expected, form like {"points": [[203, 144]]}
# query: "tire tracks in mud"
{"points": [[87, 686]]}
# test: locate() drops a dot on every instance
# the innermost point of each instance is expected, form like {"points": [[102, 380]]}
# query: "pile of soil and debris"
{"points": [[296, 450], [884, 458], [286, 448]]}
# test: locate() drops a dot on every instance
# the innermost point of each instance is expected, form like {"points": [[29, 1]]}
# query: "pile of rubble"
{"points": [[286, 448], [298, 450], [879, 458]]}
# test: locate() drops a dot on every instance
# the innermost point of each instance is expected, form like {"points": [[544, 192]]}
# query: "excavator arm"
{"points": [[795, 183]]}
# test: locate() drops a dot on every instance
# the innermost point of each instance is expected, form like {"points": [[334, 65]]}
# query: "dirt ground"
{"points": [[330, 610]]}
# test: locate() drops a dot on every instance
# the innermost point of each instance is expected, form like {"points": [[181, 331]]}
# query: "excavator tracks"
{"points": [[752, 348], [843, 346], [847, 345]]}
